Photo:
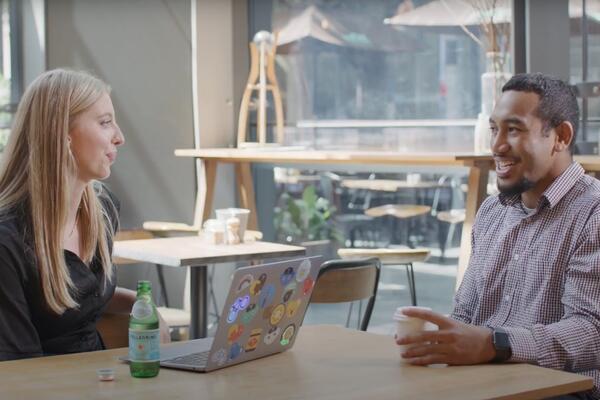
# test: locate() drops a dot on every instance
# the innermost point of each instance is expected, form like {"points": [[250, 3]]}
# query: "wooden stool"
{"points": [[392, 257], [399, 211]]}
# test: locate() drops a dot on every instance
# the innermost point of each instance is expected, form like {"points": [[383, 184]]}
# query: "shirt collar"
{"points": [[553, 193]]}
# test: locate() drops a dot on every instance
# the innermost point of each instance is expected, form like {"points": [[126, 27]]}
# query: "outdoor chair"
{"points": [[342, 281]]}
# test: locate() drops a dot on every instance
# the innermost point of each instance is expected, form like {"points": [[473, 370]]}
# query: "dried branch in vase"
{"points": [[494, 24]]}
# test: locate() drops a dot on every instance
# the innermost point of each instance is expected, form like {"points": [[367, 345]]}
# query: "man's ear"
{"points": [[564, 136]]}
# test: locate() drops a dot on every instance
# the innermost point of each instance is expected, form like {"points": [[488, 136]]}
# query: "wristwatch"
{"points": [[501, 344]]}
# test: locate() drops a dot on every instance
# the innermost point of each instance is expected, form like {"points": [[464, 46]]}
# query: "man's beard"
{"points": [[522, 186]]}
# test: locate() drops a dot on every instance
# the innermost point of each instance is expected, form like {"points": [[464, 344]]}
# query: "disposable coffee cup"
{"points": [[242, 214], [406, 325]]}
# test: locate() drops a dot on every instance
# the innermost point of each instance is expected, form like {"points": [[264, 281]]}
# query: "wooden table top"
{"points": [[326, 362], [192, 250], [283, 155], [588, 162], [387, 185]]}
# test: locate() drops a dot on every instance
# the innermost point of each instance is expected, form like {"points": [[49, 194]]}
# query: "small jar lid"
{"points": [[105, 374]]}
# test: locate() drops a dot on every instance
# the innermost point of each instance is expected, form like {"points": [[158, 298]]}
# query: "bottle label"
{"points": [[141, 309], [144, 345]]}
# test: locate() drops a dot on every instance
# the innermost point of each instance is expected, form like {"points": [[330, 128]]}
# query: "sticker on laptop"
{"points": [[303, 271], [288, 292], [257, 284], [234, 333], [235, 351], [272, 335], [241, 303], [292, 308], [219, 357], [307, 285], [277, 314], [245, 282], [287, 335], [253, 340], [287, 276], [249, 314], [267, 295]]}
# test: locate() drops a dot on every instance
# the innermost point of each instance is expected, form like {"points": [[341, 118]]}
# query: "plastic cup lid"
{"points": [[399, 315]]}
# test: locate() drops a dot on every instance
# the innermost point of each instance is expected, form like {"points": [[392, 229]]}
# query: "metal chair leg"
{"points": [[211, 293], [349, 314], [411, 283], [359, 319]]}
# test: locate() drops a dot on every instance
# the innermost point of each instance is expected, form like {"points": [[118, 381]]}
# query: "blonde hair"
{"points": [[35, 176]]}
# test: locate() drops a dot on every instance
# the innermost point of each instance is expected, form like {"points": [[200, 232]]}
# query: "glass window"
{"points": [[9, 91], [585, 49], [386, 74]]}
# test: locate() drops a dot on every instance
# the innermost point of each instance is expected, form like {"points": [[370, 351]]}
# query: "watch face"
{"points": [[501, 340], [502, 345]]}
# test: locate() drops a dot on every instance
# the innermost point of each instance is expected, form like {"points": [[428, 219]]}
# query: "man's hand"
{"points": [[455, 343]]}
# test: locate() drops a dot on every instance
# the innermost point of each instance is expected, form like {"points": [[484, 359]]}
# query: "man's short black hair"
{"points": [[557, 99]]}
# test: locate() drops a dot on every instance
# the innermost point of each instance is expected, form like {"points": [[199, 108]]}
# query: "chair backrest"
{"points": [[342, 281], [114, 330]]}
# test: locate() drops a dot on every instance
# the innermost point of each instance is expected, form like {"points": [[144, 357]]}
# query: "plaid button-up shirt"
{"points": [[537, 275]]}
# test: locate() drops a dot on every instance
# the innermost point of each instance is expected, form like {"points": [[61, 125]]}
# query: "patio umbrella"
{"points": [[449, 13], [314, 25]]}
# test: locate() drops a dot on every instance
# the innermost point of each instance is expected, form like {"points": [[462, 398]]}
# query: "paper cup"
{"points": [[406, 325]]}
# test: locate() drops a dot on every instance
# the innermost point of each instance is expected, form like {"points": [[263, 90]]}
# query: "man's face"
{"points": [[523, 152]]}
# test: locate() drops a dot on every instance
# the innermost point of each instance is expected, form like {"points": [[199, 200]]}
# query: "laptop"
{"points": [[262, 315]]}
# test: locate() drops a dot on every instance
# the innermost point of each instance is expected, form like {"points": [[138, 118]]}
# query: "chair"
{"points": [[348, 218], [113, 329], [341, 281], [392, 257]]}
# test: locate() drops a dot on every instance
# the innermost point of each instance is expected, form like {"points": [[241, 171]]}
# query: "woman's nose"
{"points": [[118, 139]]}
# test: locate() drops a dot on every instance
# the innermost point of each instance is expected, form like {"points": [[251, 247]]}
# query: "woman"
{"points": [[56, 222]]}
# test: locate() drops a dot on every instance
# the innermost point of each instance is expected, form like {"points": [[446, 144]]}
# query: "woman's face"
{"points": [[94, 137]]}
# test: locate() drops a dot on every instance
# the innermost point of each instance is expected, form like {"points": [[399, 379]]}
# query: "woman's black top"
{"points": [[28, 328]]}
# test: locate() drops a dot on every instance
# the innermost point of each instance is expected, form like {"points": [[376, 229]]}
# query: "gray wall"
{"points": [[142, 48]]}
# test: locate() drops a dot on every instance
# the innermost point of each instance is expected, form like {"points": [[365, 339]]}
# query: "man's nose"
{"points": [[498, 143]]}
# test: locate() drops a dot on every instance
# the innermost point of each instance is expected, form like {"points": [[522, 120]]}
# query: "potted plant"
{"points": [[307, 221]]}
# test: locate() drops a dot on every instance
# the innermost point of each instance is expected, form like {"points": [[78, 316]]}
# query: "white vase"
{"points": [[492, 81]]}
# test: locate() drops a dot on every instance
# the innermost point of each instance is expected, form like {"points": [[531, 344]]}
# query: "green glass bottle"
{"points": [[144, 335]]}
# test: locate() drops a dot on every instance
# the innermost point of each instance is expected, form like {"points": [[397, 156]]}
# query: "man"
{"points": [[531, 292]]}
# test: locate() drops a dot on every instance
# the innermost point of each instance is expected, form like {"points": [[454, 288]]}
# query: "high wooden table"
{"points": [[243, 158], [326, 362], [191, 251]]}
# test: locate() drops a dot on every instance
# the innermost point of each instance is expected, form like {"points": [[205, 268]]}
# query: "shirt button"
{"points": [[96, 294], [516, 257], [506, 298]]}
